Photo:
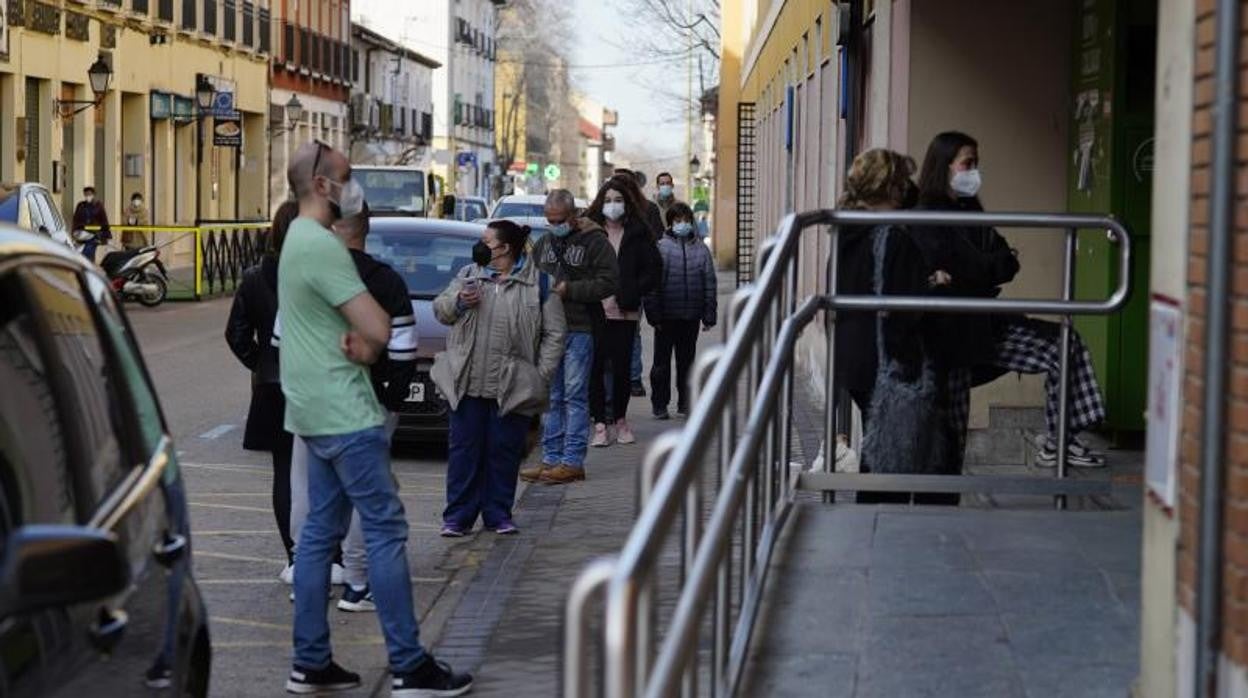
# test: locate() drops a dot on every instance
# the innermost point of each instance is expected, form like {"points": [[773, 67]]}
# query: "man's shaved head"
{"points": [[312, 160]]}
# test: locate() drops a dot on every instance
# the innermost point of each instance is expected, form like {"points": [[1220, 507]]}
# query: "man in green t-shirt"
{"points": [[332, 329]]}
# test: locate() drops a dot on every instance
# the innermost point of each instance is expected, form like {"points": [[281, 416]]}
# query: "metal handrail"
{"points": [[758, 492]]}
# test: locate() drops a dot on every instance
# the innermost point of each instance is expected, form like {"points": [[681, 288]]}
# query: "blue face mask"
{"points": [[561, 230], [665, 191], [682, 229]]}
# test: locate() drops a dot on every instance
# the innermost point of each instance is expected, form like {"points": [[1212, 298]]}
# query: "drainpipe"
{"points": [[1213, 437]]}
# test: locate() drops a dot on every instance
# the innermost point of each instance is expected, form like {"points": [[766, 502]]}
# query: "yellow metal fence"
{"points": [[202, 260]]}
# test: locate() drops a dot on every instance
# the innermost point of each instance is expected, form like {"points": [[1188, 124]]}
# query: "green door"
{"points": [[1111, 171]]}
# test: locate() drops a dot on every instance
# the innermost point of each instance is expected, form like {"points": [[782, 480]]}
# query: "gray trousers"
{"points": [[354, 554]]}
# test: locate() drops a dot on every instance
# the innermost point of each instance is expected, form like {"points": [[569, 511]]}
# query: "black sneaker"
{"points": [[160, 675], [356, 600], [639, 390], [331, 678], [432, 679], [661, 415]]}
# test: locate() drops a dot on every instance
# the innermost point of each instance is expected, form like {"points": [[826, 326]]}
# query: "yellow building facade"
{"points": [[144, 135]]}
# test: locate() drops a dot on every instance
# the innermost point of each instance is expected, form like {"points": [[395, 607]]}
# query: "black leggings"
{"points": [[613, 344], [282, 447]]}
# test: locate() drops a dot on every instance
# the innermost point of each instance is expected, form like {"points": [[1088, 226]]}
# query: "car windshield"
{"points": [[426, 261], [469, 210], [393, 190], [515, 209]]}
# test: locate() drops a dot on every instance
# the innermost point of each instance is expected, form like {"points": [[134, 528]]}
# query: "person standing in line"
{"points": [[580, 260], [666, 197], [504, 347], [333, 329], [618, 209], [686, 298], [136, 216], [90, 212], [652, 217], [981, 348], [249, 333]]}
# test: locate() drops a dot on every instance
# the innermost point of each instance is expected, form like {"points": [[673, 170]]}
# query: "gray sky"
{"points": [[643, 128]]}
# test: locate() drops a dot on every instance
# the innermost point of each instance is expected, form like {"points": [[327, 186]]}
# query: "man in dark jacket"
{"points": [[90, 212], [580, 260]]}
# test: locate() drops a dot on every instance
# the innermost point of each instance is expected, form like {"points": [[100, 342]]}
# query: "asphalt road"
{"points": [[237, 552]]}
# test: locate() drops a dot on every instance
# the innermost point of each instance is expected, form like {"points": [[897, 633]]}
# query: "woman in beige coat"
{"points": [[505, 343]]}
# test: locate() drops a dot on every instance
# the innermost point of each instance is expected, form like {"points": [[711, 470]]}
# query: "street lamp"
{"points": [[694, 163], [99, 75], [205, 92], [294, 111]]}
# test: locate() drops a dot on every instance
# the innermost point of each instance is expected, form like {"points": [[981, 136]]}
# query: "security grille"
{"points": [[747, 151]]}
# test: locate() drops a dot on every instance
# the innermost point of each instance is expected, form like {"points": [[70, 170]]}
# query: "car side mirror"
{"points": [[48, 566], [448, 206]]}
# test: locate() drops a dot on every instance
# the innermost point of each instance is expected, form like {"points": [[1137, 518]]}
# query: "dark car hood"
{"points": [[430, 333]]}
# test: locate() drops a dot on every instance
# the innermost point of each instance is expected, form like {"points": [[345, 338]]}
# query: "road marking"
{"points": [[252, 532], [285, 644], [276, 581], [233, 507], [238, 558], [227, 468], [249, 623], [218, 431]]}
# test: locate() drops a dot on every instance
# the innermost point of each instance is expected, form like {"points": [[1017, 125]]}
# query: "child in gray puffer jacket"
{"points": [[685, 299]]}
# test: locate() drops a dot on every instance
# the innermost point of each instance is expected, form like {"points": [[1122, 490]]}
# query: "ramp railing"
{"points": [[739, 434]]}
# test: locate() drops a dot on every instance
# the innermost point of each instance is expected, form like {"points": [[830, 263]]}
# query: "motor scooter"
{"points": [[137, 275]]}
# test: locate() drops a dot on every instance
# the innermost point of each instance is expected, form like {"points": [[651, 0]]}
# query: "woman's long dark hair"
{"points": [[286, 213], [633, 201], [934, 177]]}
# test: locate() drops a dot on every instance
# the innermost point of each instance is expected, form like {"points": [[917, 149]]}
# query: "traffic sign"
{"points": [[552, 172]]}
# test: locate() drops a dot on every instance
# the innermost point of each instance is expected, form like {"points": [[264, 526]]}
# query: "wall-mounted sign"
{"points": [[552, 172], [183, 107], [466, 159], [227, 131], [161, 105], [1165, 386]]}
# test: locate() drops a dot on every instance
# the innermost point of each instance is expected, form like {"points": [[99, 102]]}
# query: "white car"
{"points": [[526, 206], [31, 206]]}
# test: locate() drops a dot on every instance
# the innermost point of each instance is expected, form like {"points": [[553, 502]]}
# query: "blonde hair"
{"points": [[877, 176]]}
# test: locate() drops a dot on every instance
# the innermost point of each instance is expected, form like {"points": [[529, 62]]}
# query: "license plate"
{"points": [[416, 392]]}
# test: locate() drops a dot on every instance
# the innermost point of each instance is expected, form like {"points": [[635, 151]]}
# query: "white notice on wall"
{"points": [[1165, 385]]}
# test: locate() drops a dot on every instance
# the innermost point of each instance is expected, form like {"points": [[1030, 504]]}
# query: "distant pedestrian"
{"points": [[979, 348], [685, 301], [136, 216], [90, 213], [665, 198], [582, 264], [249, 334], [618, 208], [332, 328], [504, 347]]}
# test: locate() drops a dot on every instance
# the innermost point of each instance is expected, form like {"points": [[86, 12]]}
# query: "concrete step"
{"points": [[1005, 440]]}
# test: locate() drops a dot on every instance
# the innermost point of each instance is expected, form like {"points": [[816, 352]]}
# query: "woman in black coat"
{"points": [[619, 209], [980, 348], [895, 441], [248, 332]]}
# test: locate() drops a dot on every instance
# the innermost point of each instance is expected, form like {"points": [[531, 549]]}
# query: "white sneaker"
{"points": [[337, 575], [1078, 455], [623, 434], [602, 436]]}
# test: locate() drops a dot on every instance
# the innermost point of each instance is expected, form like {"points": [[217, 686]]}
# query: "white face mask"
{"points": [[350, 198], [966, 183], [613, 210]]}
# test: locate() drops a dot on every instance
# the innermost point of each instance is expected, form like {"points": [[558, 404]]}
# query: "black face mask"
{"points": [[482, 255]]}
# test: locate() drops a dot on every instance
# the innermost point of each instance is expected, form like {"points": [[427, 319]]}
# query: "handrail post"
{"points": [[1063, 388], [648, 588], [576, 629], [829, 369]]}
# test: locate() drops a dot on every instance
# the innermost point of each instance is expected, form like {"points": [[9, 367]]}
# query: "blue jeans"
{"points": [[483, 463], [565, 426], [347, 470], [635, 373]]}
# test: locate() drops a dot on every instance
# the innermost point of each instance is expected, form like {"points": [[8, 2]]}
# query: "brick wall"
{"points": [[1235, 530]]}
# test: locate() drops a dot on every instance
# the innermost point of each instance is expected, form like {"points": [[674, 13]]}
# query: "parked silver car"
{"points": [[30, 206]]}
